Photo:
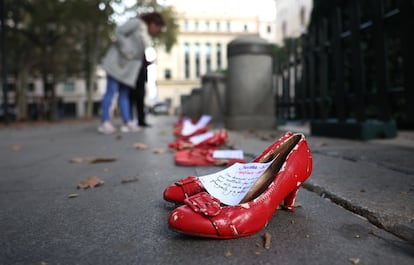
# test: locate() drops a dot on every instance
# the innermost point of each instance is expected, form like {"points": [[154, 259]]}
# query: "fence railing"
{"points": [[352, 66]]}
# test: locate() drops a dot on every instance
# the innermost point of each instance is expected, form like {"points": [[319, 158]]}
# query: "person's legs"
{"points": [[123, 102], [111, 88], [140, 96], [133, 95]]}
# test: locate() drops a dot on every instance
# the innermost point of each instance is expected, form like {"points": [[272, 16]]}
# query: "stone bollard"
{"points": [[213, 96], [249, 91], [184, 105], [195, 103]]}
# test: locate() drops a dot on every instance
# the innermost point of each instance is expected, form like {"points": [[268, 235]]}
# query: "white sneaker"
{"points": [[130, 127], [106, 128]]}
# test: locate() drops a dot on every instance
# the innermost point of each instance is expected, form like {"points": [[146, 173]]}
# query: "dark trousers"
{"points": [[137, 96]]}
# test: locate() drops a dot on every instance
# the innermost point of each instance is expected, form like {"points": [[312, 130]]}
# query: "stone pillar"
{"points": [[213, 96], [249, 95], [195, 103], [184, 105]]}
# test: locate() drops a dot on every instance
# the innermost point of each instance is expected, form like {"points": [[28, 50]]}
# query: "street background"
{"points": [[356, 208]]}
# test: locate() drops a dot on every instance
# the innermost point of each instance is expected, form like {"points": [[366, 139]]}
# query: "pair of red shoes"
{"points": [[185, 127], [205, 216], [205, 140], [196, 146], [204, 157]]}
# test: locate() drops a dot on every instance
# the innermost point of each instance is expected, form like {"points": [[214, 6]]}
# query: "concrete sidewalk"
{"points": [[125, 220]]}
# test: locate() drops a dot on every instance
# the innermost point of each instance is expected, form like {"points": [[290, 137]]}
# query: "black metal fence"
{"points": [[353, 66]]}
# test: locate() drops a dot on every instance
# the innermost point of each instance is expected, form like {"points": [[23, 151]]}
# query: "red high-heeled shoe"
{"points": [[204, 216], [213, 140], [191, 185], [202, 157], [179, 125]]}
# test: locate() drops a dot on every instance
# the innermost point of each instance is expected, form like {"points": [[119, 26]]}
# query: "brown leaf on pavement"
{"points": [[92, 160], [267, 238], [73, 195], [159, 151], [140, 146], [134, 179], [90, 182], [77, 160], [102, 160], [15, 148], [354, 260]]}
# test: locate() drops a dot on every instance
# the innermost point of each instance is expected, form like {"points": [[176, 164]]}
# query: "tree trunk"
{"points": [[21, 92]]}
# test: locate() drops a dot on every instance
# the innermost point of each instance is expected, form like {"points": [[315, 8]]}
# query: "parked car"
{"points": [[161, 108], [12, 113]]}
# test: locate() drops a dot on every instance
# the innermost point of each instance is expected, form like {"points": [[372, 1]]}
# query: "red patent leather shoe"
{"points": [[190, 185], [202, 157], [204, 216], [200, 141], [179, 125]]}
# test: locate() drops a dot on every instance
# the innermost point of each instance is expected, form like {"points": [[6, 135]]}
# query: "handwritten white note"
{"points": [[201, 137], [188, 127], [231, 184], [228, 154]]}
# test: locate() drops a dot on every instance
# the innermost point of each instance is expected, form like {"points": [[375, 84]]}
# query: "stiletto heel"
{"points": [[289, 201], [204, 215]]}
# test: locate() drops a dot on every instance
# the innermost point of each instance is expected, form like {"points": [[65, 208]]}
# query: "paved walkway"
{"points": [[45, 219]]}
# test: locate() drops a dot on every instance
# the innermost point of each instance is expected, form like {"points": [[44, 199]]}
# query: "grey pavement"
{"points": [[356, 208]]}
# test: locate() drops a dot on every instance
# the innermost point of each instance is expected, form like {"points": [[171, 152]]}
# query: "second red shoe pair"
{"points": [[206, 140], [205, 216], [208, 157]]}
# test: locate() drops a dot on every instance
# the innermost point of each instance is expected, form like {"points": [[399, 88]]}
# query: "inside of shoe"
{"points": [[279, 155]]}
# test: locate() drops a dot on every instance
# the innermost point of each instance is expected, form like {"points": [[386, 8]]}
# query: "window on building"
{"points": [[31, 87], [302, 16], [208, 57], [218, 55], [167, 74], [228, 26], [197, 59], [207, 26], [245, 28], [269, 29], [196, 25], [218, 26], [284, 29], [187, 60], [186, 25], [69, 87]]}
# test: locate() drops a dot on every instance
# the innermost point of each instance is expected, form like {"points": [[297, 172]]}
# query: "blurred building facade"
{"points": [[205, 29]]}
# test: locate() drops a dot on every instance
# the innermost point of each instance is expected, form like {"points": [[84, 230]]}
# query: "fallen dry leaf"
{"points": [[267, 238], [134, 179], [102, 160], [140, 146], [15, 148], [90, 182], [228, 253], [320, 144], [354, 261], [77, 160], [92, 160], [159, 151], [73, 195]]}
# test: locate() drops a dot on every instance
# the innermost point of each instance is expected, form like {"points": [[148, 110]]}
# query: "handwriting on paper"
{"points": [[231, 184]]}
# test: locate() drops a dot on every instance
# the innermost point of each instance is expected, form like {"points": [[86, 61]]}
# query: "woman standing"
{"points": [[123, 63]]}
